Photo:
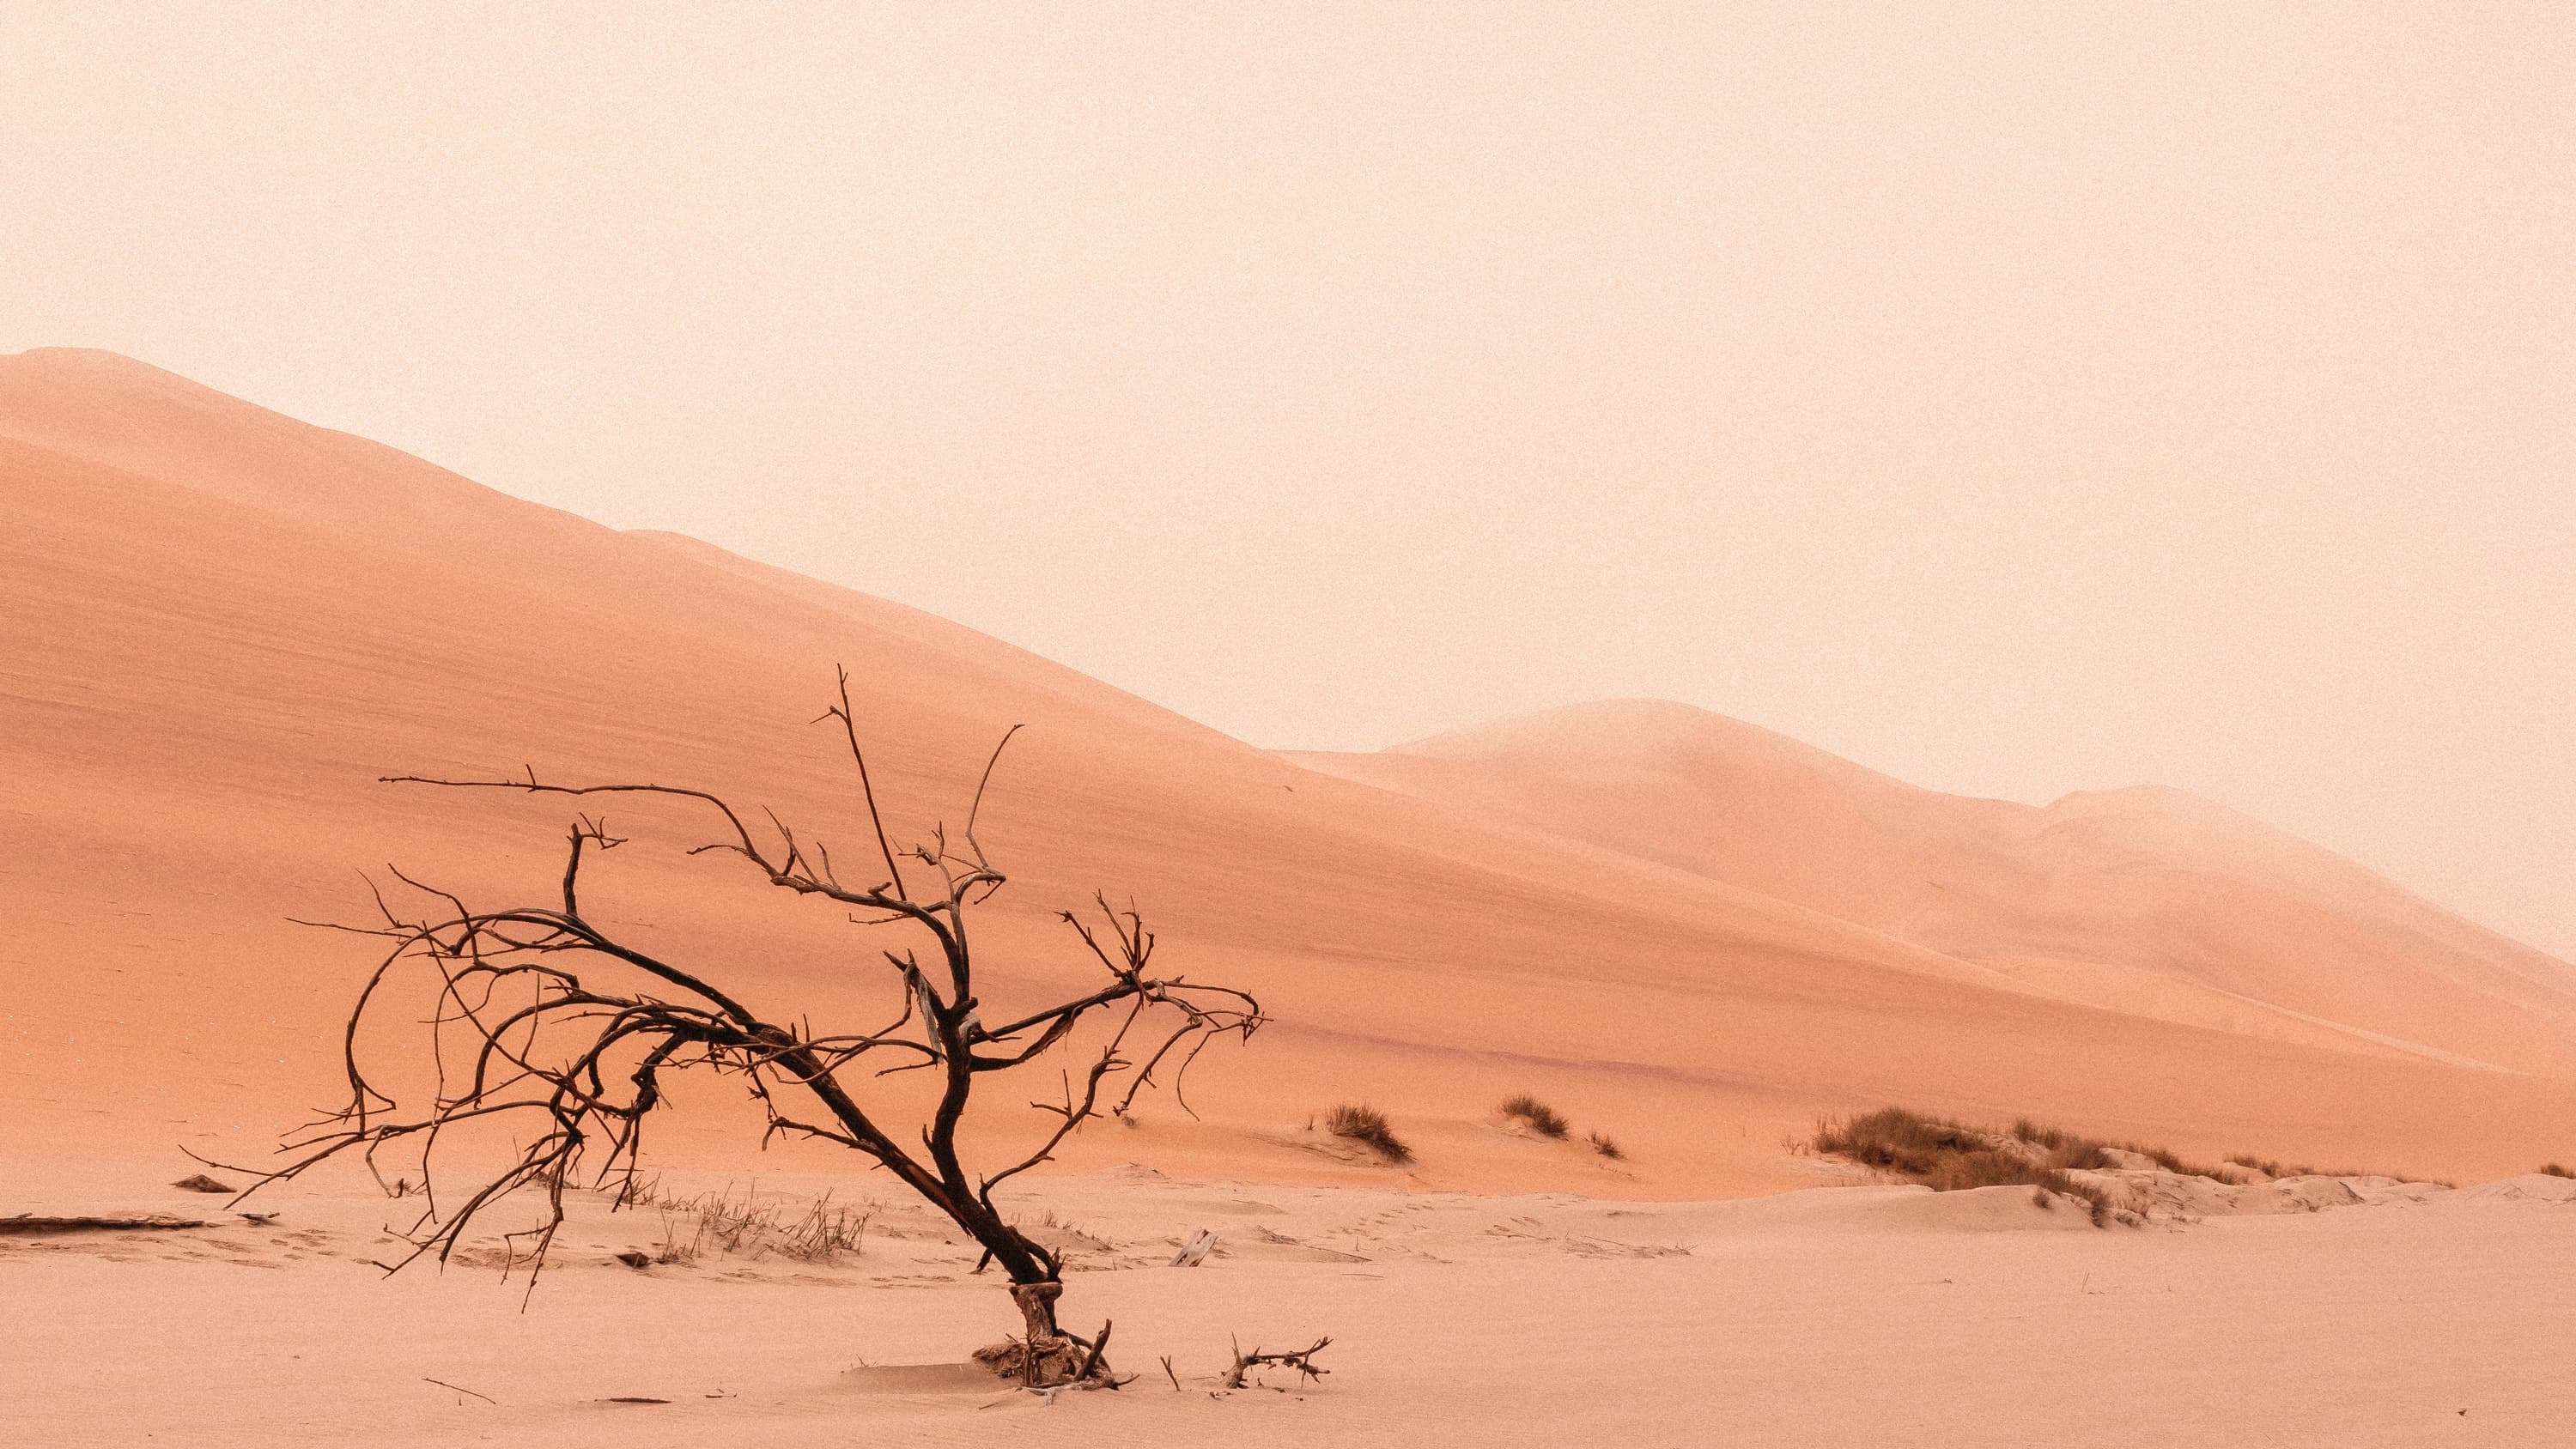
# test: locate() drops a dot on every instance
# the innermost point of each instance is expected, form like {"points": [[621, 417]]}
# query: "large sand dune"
{"points": [[218, 626], [2142, 900]]}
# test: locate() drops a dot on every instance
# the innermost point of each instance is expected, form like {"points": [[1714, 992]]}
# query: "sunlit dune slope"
{"points": [[218, 627]]}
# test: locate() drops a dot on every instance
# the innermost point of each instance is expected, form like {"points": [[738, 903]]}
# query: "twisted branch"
{"points": [[544, 1016]]}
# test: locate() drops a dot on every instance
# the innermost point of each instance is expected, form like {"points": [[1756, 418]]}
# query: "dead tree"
{"points": [[547, 1022]]}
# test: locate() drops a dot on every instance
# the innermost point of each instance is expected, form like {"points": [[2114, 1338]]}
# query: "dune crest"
{"points": [[2144, 900]]}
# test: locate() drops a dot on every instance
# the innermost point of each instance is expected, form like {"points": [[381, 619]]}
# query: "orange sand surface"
{"points": [[219, 627], [1827, 1317]]}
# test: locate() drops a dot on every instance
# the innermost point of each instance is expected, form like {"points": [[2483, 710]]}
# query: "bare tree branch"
{"points": [[542, 1015]]}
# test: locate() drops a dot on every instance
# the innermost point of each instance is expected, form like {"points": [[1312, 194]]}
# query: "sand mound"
{"points": [[924, 1378], [2530, 1187]]}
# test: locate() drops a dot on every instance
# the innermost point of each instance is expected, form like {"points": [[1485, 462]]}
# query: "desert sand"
{"points": [[1833, 1316], [219, 627]]}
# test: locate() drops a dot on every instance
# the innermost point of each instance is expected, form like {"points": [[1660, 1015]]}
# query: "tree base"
{"points": [[1047, 1356], [1051, 1366]]}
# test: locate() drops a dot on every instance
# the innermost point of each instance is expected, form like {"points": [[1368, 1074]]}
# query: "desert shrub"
{"points": [[1944, 1154], [2097, 1203], [1366, 1124], [2273, 1167], [2170, 1162], [2552, 1169], [2074, 1154], [1951, 1156], [2065, 1150], [1602, 1144], [2025, 1130], [1899, 1141], [1541, 1117]]}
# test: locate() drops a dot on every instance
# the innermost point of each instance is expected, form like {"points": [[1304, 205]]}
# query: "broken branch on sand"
{"points": [[38, 1224], [1302, 1360]]}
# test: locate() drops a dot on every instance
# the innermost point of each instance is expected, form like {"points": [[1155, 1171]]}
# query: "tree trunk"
{"points": [[1051, 1358]]}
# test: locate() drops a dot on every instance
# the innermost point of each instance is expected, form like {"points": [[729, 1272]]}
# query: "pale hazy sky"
{"points": [[2016, 398]]}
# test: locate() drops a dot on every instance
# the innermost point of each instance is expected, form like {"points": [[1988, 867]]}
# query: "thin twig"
{"points": [[460, 1388]]}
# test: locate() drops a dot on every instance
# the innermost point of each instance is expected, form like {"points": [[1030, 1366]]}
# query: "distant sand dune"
{"points": [[2143, 901]]}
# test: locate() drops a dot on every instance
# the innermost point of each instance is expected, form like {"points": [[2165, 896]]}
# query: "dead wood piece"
{"points": [[1091, 1356], [1046, 1348], [634, 1258], [1050, 1365], [1195, 1251], [460, 1388], [202, 1183], [41, 1224], [1004, 1358], [1302, 1360]]}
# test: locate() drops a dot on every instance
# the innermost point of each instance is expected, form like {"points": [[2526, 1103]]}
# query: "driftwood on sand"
{"points": [[1302, 1360], [41, 1224]]}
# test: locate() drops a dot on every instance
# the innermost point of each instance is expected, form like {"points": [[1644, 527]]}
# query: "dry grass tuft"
{"points": [[1541, 1117], [1952, 1156], [2025, 1130], [2069, 1151], [1602, 1144], [1366, 1124], [2272, 1167], [1900, 1141], [1946, 1155], [747, 1226], [2552, 1169]]}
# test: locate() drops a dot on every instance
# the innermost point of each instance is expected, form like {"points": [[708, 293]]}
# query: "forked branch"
{"points": [[1302, 1360], [542, 1019]]}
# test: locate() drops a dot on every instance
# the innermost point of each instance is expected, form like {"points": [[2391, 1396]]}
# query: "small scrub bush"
{"points": [[2025, 1130], [1945, 1155], [1368, 1125], [2074, 1154], [2552, 1169], [1602, 1144], [1899, 1141], [1952, 1156], [1541, 1117], [2168, 1161]]}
